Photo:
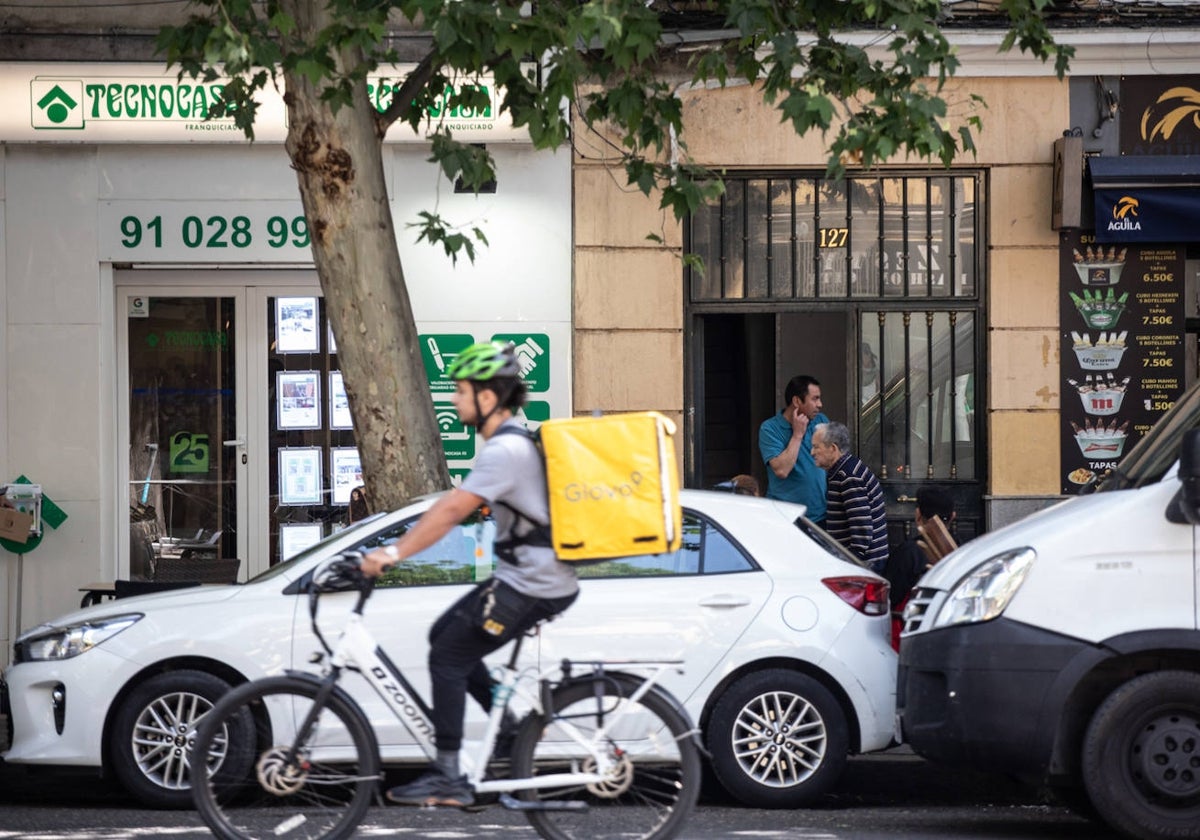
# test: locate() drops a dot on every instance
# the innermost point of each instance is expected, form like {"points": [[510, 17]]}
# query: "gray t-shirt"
{"points": [[509, 469]]}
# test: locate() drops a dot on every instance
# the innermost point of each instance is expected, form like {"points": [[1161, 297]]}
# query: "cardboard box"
{"points": [[15, 525]]}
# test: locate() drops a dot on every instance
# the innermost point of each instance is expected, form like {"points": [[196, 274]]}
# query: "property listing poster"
{"points": [[1121, 315]]}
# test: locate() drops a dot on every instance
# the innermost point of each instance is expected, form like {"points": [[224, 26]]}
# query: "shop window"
{"points": [[314, 461]]}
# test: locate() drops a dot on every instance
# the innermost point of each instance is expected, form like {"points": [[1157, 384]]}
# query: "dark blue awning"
{"points": [[1150, 198]]}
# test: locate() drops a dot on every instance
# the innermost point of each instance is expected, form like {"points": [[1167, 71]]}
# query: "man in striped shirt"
{"points": [[855, 514]]}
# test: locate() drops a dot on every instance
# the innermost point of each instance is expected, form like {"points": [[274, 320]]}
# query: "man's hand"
{"points": [[377, 561], [799, 421], [434, 524]]}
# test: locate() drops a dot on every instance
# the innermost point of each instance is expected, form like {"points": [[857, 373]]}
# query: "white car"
{"points": [[785, 639]]}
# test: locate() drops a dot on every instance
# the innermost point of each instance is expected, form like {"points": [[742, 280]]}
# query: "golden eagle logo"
{"points": [[1170, 109], [1127, 206]]}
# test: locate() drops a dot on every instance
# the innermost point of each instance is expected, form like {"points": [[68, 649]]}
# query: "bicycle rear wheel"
{"points": [[266, 780], [655, 779]]}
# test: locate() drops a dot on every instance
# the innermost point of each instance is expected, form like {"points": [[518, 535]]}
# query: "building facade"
{"points": [[170, 381], [936, 306]]}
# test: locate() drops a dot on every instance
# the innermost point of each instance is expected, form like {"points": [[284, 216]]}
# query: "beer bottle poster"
{"points": [[1122, 356]]}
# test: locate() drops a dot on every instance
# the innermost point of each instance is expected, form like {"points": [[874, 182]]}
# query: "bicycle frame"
{"points": [[356, 649]]}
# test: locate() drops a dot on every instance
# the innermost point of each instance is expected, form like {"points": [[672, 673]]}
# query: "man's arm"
{"points": [[783, 463], [434, 524], [858, 515]]}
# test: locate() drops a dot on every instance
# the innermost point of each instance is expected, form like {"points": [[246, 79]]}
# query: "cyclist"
{"points": [[528, 585]]}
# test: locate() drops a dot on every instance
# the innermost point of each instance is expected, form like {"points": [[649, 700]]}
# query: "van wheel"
{"points": [[1076, 799], [152, 735], [778, 739], [1141, 757]]}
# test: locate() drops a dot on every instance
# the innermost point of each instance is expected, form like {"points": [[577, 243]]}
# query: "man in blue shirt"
{"points": [[785, 442]]}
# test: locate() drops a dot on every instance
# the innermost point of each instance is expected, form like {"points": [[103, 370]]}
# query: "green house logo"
{"points": [[56, 103]]}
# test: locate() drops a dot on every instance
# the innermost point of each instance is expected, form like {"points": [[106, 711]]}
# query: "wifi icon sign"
{"points": [[458, 440]]}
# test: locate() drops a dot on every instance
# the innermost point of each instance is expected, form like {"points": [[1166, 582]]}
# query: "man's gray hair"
{"points": [[836, 434]]}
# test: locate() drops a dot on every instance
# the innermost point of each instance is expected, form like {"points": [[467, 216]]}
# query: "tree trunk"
{"points": [[339, 163]]}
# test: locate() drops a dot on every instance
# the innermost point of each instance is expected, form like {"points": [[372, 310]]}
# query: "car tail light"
{"points": [[867, 595]]}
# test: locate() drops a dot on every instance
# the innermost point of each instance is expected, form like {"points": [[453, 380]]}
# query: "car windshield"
{"points": [[292, 562], [1154, 454]]}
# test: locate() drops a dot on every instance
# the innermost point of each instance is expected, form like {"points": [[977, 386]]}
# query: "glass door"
{"points": [[185, 431]]}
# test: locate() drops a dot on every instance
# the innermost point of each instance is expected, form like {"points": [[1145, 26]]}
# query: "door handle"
{"points": [[725, 601], [238, 442], [903, 498]]}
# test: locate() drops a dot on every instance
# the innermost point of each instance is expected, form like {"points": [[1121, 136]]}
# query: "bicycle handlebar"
{"points": [[343, 574]]}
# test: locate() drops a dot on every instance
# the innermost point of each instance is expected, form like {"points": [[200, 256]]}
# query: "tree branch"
{"points": [[402, 97]]}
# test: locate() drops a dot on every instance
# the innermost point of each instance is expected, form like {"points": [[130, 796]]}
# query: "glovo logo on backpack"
{"points": [[612, 484], [580, 492]]}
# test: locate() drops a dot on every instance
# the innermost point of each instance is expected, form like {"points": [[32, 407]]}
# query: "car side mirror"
{"points": [[1189, 477]]}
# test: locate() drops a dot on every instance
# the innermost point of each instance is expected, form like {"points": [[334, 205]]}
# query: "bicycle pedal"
{"points": [[513, 804]]}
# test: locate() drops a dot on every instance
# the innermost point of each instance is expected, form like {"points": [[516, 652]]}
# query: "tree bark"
{"points": [[338, 160]]}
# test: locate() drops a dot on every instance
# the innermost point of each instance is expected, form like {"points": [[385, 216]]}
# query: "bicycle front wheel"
{"points": [[269, 775], [653, 778]]}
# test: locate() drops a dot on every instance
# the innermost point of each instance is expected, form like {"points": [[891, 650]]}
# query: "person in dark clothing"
{"points": [[855, 511], [908, 562]]}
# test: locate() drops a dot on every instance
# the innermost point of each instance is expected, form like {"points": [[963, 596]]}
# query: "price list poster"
{"points": [[1122, 359]]}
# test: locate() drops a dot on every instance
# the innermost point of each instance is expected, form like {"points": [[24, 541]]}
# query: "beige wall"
{"points": [[1022, 119], [628, 296], [629, 290]]}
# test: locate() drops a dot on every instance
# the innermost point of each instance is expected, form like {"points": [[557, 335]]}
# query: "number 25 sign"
{"points": [[189, 452]]}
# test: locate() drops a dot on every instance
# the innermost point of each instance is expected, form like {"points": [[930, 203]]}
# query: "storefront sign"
{"points": [[1122, 349], [1153, 198], [1147, 215], [204, 231], [1159, 115], [438, 352], [147, 103]]}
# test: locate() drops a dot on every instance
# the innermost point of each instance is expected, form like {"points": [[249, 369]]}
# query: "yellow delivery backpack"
{"points": [[612, 484]]}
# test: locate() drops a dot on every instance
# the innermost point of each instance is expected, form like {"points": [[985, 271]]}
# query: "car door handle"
{"points": [[725, 601]]}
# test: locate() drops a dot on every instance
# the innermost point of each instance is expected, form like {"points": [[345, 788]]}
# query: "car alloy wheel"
{"points": [[778, 739], [153, 733]]}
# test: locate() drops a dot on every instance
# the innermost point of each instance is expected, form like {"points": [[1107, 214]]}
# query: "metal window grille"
{"points": [[808, 238]]}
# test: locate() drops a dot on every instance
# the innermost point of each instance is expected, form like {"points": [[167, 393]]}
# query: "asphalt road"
{"points": [[893, 794], [886, 795]]}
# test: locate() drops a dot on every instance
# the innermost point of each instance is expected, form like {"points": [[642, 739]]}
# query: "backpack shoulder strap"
{"points": [[538, 533], [506, 429]]}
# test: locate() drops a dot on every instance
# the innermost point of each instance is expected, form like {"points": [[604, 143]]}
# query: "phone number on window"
{"points": [[215, 231]]}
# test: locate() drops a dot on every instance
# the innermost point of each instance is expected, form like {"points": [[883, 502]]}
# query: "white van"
{"points": [[1064, 649]]}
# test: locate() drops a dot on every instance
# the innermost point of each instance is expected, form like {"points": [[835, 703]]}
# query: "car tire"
{"points": [[153, 732], [1141, 757], [798, 758]]}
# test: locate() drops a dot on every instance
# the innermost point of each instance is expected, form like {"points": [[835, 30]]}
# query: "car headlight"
{"points": [[74, 639], [985, 592]]}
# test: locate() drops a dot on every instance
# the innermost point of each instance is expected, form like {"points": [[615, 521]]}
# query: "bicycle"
{"points": [[600, 752]]}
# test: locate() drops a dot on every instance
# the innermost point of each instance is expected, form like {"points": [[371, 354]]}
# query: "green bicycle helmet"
{"points": [[486, 360]]}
